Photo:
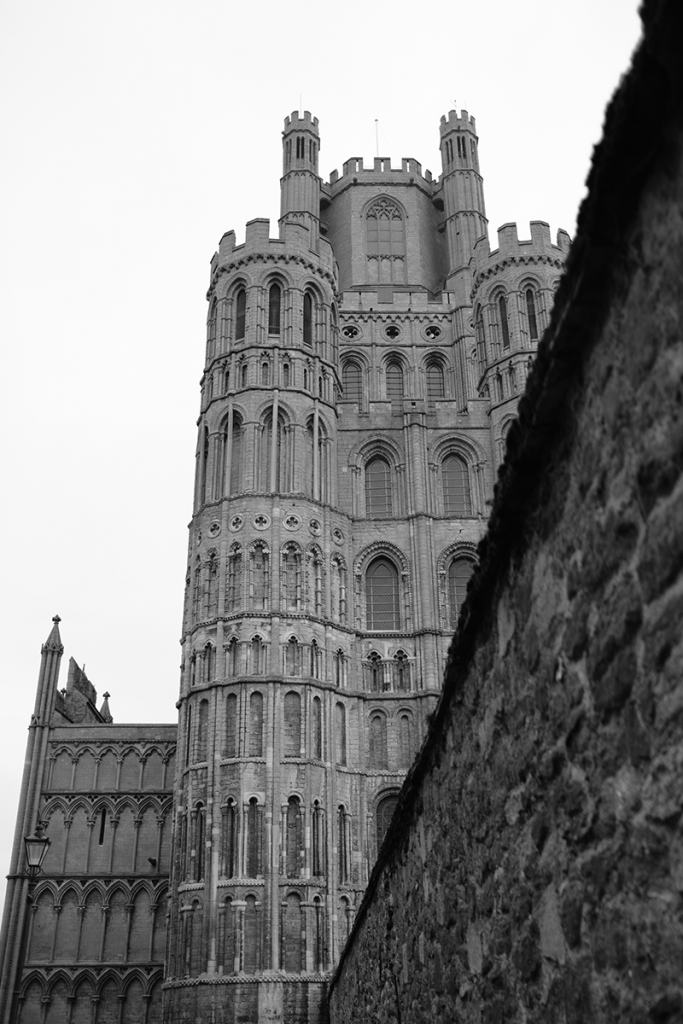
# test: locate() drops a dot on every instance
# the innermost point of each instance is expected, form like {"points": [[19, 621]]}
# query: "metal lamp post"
{"points": [[37, 846]]}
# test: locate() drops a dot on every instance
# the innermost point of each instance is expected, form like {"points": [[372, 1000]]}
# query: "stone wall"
{"points": [[534, 868]]}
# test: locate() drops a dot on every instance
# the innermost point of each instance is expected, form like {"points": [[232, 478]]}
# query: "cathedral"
{"points": [[361, 370]]}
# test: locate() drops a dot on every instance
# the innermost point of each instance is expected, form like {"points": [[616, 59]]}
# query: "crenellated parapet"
{"points": [[293, 246], [355, 172], [539, 248], [513, 289]]}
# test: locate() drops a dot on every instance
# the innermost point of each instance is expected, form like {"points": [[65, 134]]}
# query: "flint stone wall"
{"points": [[534, 869]]}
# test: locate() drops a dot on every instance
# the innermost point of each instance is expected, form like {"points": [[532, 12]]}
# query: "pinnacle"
{"points": [[104, 710], [54, 641]]}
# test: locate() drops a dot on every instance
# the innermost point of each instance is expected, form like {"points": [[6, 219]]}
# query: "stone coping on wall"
{"points": [[652, 94]]}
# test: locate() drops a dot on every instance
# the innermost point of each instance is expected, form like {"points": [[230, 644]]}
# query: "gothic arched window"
{"points": [[504, 328], [338, 585], [352, 382], [395, 387], [384, 225], [202, 730], [212, 588], [374, 672], [531, 314], [381, 582], [481, 339], [211, 329], [256, 725], [318, 839], [229, 858], [233, 590], [308, 319], [343, 844], [232, 457], [199, 841], [340, 733], [435, 384], [254, 838], [401, 671], [339, 668], [457, 499], [293, 837], [386, 245], [292, 939], [293, 657], [273, 461], [250, 934], [232, 657], [405, 740], [292, 716], [240, 314], [459, 572], [258, 656], [230, 724], [317, 729], [378, 496], [259, 582], [209, 663], [383, 815], [291, 578], [314, 580], [378, 754], [274, 304]]}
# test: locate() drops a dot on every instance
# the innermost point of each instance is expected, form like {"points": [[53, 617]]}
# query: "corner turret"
{"points": [[513, 289], [300, 184], [463, 197]]}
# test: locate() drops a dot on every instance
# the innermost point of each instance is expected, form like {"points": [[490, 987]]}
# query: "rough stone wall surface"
{"points": [[534, 870]]}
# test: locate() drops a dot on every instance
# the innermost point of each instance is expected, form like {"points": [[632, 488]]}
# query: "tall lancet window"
{"points": [[352, 382], [240, 314], [457, 498], [382, 595], [504, 328], [274, 304], [235, 481], [378, 498], [459, 572], [266, 456], [395, 387], [435, 385], [385, 237], [308, 319], [531, 314]]}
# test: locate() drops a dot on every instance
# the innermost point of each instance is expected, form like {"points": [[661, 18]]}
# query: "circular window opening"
{"points": [[433, 331], [392, 331], [350, 331]]}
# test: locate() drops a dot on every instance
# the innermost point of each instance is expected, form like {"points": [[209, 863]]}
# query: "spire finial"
{"points": [[54, 641], [104, 710]]}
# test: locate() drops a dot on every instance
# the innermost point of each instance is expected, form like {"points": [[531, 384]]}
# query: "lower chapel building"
{"points": [[361, 372]]}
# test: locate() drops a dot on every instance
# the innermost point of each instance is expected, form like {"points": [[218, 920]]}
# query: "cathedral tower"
{"points": [[361, 370]]}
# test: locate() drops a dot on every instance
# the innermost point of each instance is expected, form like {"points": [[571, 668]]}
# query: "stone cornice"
{"points": [[270, 257]]}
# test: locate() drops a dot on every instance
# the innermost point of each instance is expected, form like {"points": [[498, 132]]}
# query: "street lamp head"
{"points": [[37, 846]]}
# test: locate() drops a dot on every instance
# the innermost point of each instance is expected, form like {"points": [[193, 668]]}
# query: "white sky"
{"points": [[135, 133]]}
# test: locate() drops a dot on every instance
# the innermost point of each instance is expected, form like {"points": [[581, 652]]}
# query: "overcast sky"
{"points": [[135, 133]]}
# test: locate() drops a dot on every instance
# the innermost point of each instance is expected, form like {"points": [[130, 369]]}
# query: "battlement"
{"points": [[454, 123], [296, 122], [295, 240], [510, 245], [381, 170]]}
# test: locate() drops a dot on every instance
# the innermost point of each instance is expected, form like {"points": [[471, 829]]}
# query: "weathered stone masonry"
{"points": [[534, 868]]}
